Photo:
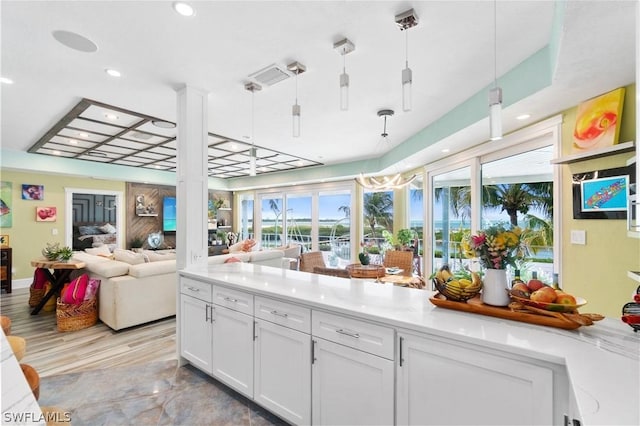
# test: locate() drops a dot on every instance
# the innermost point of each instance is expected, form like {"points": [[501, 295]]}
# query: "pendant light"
{"points": [[297, 69], [406, 20], [252, 87], [344, 47], [495, 94], [384, 183]]}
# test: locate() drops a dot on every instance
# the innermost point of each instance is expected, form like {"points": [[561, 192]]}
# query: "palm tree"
{"points": [[378, 210], [519, 198], [274, 205]]}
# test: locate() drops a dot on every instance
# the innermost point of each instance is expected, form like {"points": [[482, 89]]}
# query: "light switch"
{"points": [[578, 236], [54, 231]]}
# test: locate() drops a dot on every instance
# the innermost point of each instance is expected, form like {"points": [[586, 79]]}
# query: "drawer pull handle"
{"points": [[193, 288], [348, 333], [279, 314], [230, 299]]}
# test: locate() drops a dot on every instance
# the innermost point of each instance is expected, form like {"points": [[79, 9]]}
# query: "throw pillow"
{"points": [[237, 247], [128, 256], [92, 288], [248, 244], [76, 290], [102, 250], [40, 279], [89, 230], [108, 228], [232, 260]]}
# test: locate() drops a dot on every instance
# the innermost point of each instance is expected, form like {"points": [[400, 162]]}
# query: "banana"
{"points": [[446, 275], [464, 283], [475, 279]]}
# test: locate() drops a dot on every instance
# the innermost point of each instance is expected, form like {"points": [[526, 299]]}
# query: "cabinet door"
{"points": [[195, 332], [233, 349], [283, 371], [441, 383], [350, 387]]}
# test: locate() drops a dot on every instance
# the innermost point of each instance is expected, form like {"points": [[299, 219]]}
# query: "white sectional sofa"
{"points": [[133, 294]]}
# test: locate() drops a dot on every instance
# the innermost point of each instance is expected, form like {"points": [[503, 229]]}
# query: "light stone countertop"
{"points": [[19, 406], [602, 360]]}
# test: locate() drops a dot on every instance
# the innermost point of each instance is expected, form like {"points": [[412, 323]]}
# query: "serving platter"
{"points": [[546, 318], [547, 306]]}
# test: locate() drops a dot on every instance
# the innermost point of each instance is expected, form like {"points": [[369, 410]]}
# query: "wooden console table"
{"points": [[58, 278], [5, 268]]}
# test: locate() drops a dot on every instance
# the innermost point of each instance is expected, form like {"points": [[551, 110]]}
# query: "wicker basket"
{"points": [[456, 293], [73, 317], [357, 270], [35, 295]]}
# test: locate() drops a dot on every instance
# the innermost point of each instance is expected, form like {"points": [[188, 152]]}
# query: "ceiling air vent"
{"points": [[270, 75]]}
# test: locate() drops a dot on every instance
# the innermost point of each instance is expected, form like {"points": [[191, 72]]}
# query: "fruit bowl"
{"points": [[555, 307], [453, 291]]}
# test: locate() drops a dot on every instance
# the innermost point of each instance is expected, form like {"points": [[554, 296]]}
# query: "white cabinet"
{"points": [[232, 359], [353, 371], [446, 383], [282, 368], [350, 387]]}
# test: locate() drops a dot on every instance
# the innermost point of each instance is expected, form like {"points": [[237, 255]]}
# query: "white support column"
{"points": [[192, 178]]}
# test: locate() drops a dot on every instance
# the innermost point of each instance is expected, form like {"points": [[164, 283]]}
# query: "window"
{"points": [[246, 216], [377, 209]]}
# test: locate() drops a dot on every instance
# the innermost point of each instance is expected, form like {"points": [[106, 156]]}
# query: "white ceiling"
{"points": [[451, 54]]}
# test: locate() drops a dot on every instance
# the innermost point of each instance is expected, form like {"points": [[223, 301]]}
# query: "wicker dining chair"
{"points": [[399, 259], [334, 272], [310, 260]]}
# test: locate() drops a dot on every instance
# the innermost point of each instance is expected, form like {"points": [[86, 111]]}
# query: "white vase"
{"points": [[494, 287]]}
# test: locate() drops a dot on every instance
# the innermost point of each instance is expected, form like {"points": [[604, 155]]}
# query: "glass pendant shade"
{"points": [[295, 113], [252, 162], [344, 91], [407, 78], [495, 114]]}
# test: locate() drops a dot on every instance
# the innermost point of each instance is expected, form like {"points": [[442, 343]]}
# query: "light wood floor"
{"points": [[51, 352]]}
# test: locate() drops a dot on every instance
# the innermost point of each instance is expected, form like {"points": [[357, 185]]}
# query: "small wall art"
{"points": [[598, 121], [32, 192], [6, 216], [4, 241], [46, 214], [603, 194]]}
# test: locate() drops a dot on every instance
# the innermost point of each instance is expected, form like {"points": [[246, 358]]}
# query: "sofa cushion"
{"points": [[128, 256], [110, 268], [76, 290], [220, 259], [87, 258], [92, 288], [89, 230], [155, 256], [152, 268], [102, 250]]}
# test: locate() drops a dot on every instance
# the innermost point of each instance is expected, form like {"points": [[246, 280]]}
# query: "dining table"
{"points": [[58, 273]]}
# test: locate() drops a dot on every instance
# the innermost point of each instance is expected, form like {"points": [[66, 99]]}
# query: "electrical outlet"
{"points": [[578, 236]]}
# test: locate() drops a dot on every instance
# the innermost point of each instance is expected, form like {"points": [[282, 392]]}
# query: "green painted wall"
{"points": [[597, 271], [28, 237]]}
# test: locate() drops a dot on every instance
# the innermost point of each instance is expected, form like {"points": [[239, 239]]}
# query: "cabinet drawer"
{"points": [[198, 289], [371, 338], [233, 299], [282, 313]]}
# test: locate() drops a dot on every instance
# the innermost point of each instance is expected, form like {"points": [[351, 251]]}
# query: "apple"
{"points": [[545, 294], [566, 299], [535, 284], [520, 290]]}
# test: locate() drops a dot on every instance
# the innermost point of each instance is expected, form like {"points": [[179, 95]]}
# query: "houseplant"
{"points": [[137, 243], [404, 237], [65, 253], [51, 251]]}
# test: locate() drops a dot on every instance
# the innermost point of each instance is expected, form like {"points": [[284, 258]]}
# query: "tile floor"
{"points": [[158, 393]]}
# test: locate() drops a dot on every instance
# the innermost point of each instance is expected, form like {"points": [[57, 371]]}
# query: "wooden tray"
{"points": [[476, 306]]}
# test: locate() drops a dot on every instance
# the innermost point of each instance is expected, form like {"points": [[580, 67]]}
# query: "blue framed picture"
{"points": [[605, 194]]}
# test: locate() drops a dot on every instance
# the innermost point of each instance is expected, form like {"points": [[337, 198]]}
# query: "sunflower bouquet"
{"points": [[496, 247]]}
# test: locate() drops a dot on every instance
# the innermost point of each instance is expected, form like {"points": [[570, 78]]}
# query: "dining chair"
{"points": [[402, 259], [310, 260]]}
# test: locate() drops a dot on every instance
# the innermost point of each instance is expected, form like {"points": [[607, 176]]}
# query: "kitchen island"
{"points": [[354, 344]]}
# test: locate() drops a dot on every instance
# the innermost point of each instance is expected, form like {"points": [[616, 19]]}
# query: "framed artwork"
{"points": [[6, 216], [32, 192], [603, 194], [4, 241], [46, 214], [598, 121]]}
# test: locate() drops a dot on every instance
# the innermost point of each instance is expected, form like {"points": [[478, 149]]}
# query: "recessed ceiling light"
{"points": [[111, 116], [75, 41], [163, 124], [5, 80], [523, 116], [83, 134], [184, 9], [73, 142], [112, 72], [445, 150], [56, 152]]}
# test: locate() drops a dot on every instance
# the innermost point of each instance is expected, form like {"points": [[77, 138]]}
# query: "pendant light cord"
{"points": [[406, 48], [495, 44], [253, 97]]}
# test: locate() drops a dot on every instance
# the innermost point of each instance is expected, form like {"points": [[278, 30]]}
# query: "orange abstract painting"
{"points": [[598, 121]]}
